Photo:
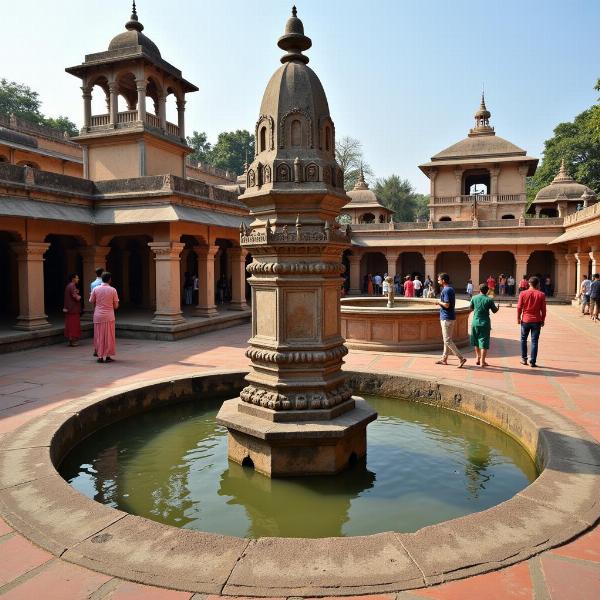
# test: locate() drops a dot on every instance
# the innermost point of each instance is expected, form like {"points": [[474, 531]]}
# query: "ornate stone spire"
{"points": [[133, 22], [563, 176], [482, 119], [361, 184], [293, 40]]}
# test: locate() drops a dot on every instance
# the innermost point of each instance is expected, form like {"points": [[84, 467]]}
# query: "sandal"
{"points": [[462, 362], [100, 360], [441, 362], [108, 359]]}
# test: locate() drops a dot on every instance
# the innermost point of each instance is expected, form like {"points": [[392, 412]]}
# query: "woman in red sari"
{"points": [[72, 311], [105, 299]]}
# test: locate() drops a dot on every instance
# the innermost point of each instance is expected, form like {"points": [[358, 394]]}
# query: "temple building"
{"points": [[365, 206], [125, 202]]}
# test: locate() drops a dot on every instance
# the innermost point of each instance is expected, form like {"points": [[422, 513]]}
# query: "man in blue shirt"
{"points": [[447, 319]]}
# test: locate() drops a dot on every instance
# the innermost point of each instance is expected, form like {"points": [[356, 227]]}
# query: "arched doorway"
{"points": [[411, 263], [367, 218], [445, 218], [496, 263], [542, 264], [223, 271], [61, 259], [372, 263], [9, 290], [458, 267], [476, 182]]}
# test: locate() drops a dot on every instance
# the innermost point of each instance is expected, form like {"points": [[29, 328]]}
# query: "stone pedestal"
{"points": [[324, 444]]}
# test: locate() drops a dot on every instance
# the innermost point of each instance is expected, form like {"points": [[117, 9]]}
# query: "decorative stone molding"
{"points": [[270, 129], [300, 268], [298, 234], [309, 356], [297, 400], [282, 121], [166, 250], [29, 251]]}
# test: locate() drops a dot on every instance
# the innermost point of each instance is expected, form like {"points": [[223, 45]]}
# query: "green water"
{"points": [[424, 465]]}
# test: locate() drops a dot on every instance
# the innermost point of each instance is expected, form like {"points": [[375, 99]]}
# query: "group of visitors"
{"points": [[409, 286], [105, 299], [589, 296], [531, 316], [506, 285]]}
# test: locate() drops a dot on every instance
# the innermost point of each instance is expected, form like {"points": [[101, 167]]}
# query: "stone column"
{"points": [[181, 117], [392, 260], [87, 108], [475, 259], [238, 278], [571, 283], [168, 290], [125, 295], [30, 258], [429, 258], [595, 258], [581, 266], [458, 178], [206, 281], [355, 281], [162, 111], [140, 85], [521, 266], [113, 88], [93, 258]]}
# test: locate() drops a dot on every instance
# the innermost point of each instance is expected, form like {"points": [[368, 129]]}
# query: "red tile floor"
{"points": [[567, 380]]}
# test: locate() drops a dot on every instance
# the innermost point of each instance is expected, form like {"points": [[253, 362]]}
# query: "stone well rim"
{"points": [[560, 504], [354, 305]]}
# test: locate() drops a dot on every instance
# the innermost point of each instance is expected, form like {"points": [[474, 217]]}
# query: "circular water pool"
{"points": [[425, 464]]}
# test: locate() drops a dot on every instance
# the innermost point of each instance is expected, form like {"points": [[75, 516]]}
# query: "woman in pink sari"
{"points": [[105, 299]]}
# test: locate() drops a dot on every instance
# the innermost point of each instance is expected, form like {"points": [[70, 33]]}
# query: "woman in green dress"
{"points": [[481, 304]]}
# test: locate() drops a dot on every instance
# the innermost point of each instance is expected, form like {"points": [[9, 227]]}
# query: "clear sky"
{"points": [[402, 76]]}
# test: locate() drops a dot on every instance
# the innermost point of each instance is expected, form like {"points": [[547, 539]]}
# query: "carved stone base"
{"points": [[284, 449], [31, 323]]}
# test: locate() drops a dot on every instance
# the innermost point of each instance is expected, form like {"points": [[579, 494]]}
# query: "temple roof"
{"points": [[133, 36], [564, 187], [363, 197]]}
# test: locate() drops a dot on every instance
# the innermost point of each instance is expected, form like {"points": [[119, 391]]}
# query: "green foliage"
{"points": [[201, 147], [400, 196], [20, 100], [231, 150], [422, 207], [349, 155], [578, 143]]}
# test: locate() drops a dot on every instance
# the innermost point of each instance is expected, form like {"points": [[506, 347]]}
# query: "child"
{"points": [[470, 288]]}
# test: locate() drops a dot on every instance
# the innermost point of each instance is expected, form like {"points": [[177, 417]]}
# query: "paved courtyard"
{"points": [[568, 380]]}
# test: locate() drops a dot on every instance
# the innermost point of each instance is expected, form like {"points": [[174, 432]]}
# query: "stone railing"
{"points": [[585, 214], [153, 120], [209, 169], [172, 129], [14, 122], [481, 224], [99, 120], [481, 199], [544, 221], [127, 116]]}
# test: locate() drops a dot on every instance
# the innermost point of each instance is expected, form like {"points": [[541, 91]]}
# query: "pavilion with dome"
{"points": [[364, 206]]}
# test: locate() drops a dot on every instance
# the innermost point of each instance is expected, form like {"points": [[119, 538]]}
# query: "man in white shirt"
{"points": [[584, 295], [377, 281], [418, 284], [98, 280]]}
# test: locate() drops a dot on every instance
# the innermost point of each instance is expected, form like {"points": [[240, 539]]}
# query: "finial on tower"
{"points": [[361, 184], [293, 40], [562, 175], [133, 22], [482, 119]]}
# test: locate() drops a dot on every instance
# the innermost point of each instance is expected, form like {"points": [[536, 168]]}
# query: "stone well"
{"points": [[412, 325]]}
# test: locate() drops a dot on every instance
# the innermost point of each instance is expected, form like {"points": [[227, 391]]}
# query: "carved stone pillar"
{"points": [[168, 290], [595, 258], [475, 258], [206, 280], [429, 258], [392, 261], [561, 283], [581, 266], [355, 280], [238, 279], [521, 266], [432, 175], [30, 259], [571, 281], [87, 108], [162, 111], [113, 89], [458, 179], [94, 257], [140, 85], [181, 117]]}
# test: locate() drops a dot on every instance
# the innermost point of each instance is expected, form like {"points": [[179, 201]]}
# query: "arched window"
{"points": [[263, 139], [549, 212], [3, 158], [445, 219], [508, 216], [296, 133], [382, 218], [367, 218], [327, 138]]}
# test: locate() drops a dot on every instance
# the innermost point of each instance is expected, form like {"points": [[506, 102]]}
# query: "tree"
{"points": [[232, 149], [349, 155], [399, 195], [578, 143], [422, 207], [20, 100], [201, 147]]}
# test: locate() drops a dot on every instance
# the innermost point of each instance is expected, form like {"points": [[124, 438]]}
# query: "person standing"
{"points": [[188, 289], [491, 283], [470, 289], [418, 285], [481, 325], [385, 285], [370, 284], [584, 295], [196, 288], [523, 284], [105, 300], [98, 280], [377, 281], [531, 316], [446, 303], [502, 285], [595, 297], [510, 282], [409, 287], [427, 285], [72, 310]]}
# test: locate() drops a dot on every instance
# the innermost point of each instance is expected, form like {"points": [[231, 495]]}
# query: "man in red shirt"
{"points": [[531, 315]]}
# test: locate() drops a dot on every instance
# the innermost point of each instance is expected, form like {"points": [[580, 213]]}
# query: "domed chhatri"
{"points": [[365, 206], [133, 36], [295, 192], [563, 195]]}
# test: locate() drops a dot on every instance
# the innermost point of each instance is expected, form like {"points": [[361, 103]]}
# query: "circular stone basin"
{"points": [[412, 325], [39, 504], [424, 465]]}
